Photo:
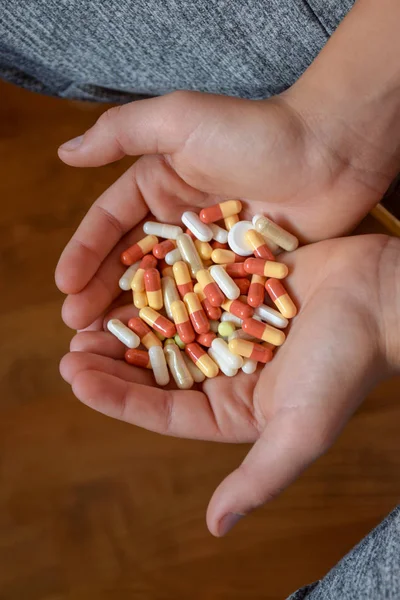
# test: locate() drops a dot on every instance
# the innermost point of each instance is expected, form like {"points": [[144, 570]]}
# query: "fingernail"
{"points": [[72, 144], [227, 522]]}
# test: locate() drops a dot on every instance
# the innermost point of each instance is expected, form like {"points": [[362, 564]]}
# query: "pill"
{"points": [[229, 222], [234, 361], [148, 262], [210, 289], [204, 249], [163, 248], [200, 230], [259, 246], [147, 337], [172, 257], [178, 367], [275, 233], [225, 368], [182, 322], [220, 211], [242, 335], [271, 316], [231, 318], [159, 365], [205, 339], [140, 299], [138, 250], [238, 308], [170, 293], [163, 230], [249, 366], [157, 322], [219, 246], [179, 342], [220, 235], [201, 359], [152, 284], [182, 277], [189, 253], [243, 284], [256, 293], [221, 257], [224, 282], [237, 238], [123, 333], [263, 332], [236, 269], [126, 279], [266, 268], [250, 350], [214, 326], [281, 298], [195, 372], [226, 328], [197, 315], [138, 358], [212, 312]]}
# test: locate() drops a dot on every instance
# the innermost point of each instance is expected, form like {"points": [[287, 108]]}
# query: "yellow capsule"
{"points": [[231, 221], [204, 249], [222, 257], [140, 299], [202, 361]]}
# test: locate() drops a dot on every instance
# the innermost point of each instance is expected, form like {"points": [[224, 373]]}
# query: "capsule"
{"points": [[258, 244], [189, 253], [221, 257], [200, 230], [220, 235], [196, 313], [152, 284], [147, 337], [256, 293], [162, 230], [205, 339], [271, 316], [123, 333], [264, 332], [201, 359], [210, 288], [249, 366], [250, 350], [172, 257], [265, 268], [243, 285], [225, 368], [234, 361], [220, 211], [126, 279], [228, 317], [229, 222], [226, 328], [182, 322], [163, 248], [238, 308], [275, 233], [224, 282], [138, 250], [178, 367], [159, 365], [157, 322], [236, 269], [281, 298], [195, 372], [182, 278], [212, 312], [148, 262], [138, 358], [170, 294], [204, 249], [140, 299]]}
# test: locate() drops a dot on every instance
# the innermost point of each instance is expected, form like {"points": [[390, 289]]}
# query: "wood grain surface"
{"points": [[92, 508]]}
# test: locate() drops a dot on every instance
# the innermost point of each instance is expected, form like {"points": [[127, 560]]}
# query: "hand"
{"points": [[344, 339]]}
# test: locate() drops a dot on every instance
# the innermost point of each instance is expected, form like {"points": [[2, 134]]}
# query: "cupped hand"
{"points": [[342, 341]]}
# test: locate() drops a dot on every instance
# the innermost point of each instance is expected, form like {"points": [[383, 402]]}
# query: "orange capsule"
{"points": [[182, 278], [148, 262], [219, 245], [238, 308], [157, 322], [213, 312], [210, 288], [182, 322], [220, 211], [152, 284], [243, 285], [250, 350], [147, 337], [257, 242], [161, 250], [201, 359], [139, 358], [138, 250], [263, 332], [206, 339], [236, 269], [196, 313], [266, 268], [221, 257], [281, 298], [256, 293]]}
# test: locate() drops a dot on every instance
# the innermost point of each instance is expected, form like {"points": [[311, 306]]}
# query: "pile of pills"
{"points": [[201, 293]]}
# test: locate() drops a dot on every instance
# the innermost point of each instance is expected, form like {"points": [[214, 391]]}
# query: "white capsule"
{"points": [[198, 376], [123, 333], [199, 229], [163, 230], [219, 233], [237, 238], [214, 326], [178, 367], [227, 316], [225, 368], [172, 257], [224, 282], [159, 365], [189, 253], [234, 361], [271, 316], [170, 294], [249, 366], [275, 233], [126, 279]]}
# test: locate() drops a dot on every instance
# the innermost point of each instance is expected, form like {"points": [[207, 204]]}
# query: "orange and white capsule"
{"points": [[147, 337], [204, 249], [243, 285], [256, 293], [281, 298], [229, 222], [236, 269], [138, 358], [210, 288], [182, 322], [220, 211], [202, 360], [263, 331], [140, 299], [206, 339], [182, 278], [238, 309], [250, 350], [266, 268], [221, 257], [213, 312], [152, 284], [157, 322], [138, 250], [259, 245], [196, 313], [148, 262], [161, 250]]}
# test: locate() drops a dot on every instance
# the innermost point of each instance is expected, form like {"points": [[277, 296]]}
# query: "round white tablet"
{"points": [[236, 238]]}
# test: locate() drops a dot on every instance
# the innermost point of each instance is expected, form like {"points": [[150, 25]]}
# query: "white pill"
{"points": [[172, 257], [249, 366], [224, 282], [270, 316], [219, 233], [170, 294], [234, 361], [237, 238], [123, 333], [159, 365], [214, 326], [227, 316], [199, 229], [225, 368], [198, 376], [163, 230], [126, 279], [178, 367], [275, 233]]}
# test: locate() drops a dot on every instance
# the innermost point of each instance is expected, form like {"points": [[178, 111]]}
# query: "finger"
{"points": [[78, 362], [98, 342]]}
